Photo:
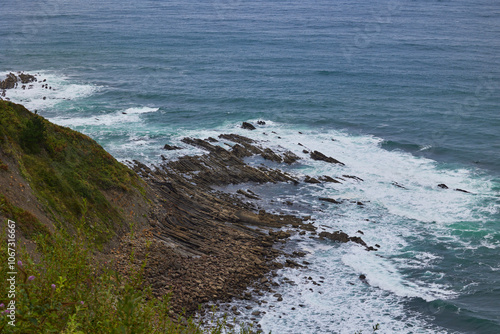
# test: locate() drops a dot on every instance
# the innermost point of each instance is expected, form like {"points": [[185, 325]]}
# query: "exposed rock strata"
{"points": [[207, 244]]}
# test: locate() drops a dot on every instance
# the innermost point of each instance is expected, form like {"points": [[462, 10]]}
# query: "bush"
{"points": [[32, 137], [67, 292]]}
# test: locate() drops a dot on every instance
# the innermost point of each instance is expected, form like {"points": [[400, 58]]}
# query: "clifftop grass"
{"points": [[72, 176]]}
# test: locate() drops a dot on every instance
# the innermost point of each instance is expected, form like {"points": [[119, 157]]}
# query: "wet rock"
{"points": [[463, 191], [247, 126], [298, 254], [269, 154], [290, 157], [316, 155], [247, 194], [292, 264], [353, 177], [398, 185], [330, 200], [339, 236], [26, 78], [237, 138], [240, 151], [261, 122], [312, 180], [10, 82], [201, 144], [171, 147], [280, 235], [327, 178], [308, 227], [442, 186]]}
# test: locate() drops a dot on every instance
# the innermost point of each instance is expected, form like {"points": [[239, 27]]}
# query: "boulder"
{"points": [[247, 126], [10, 82], [339, 236], [26, 78]]}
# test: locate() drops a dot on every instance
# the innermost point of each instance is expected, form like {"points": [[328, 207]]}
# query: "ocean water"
{"points": [[408, 90]]}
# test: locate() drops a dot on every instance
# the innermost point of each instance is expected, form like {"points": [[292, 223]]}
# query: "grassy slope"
{"points": [[74, 178]]}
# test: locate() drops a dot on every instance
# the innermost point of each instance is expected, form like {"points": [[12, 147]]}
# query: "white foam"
{"points": [[396, 218], [384, 274], [116, 119], [34, 97]]}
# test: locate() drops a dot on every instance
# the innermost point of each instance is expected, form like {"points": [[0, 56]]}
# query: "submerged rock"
{"points": [[353, 177], [330, 200], [327, 178]]}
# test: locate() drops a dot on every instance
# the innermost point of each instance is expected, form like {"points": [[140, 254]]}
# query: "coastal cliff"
{"points": [[168, 226]]}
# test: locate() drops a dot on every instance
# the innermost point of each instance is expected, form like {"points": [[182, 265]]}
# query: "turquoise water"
{"points": [[409, 90]]}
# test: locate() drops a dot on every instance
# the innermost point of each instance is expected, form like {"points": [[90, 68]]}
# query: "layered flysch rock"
{"points": [[208, 244]]}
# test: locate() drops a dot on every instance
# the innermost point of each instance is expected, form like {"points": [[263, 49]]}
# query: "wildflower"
{"points": [[53, 286], [81, 302], [2, 305], [20, 263], [31, 278], [6, 311]]}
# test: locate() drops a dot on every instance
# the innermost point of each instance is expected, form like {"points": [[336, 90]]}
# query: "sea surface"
{"points": [[406, 93]]}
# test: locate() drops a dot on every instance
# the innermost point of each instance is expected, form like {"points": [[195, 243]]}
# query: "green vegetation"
{"points": [[3, 166], [66, 168], [67, 293], [29, 225], [60, 286]]}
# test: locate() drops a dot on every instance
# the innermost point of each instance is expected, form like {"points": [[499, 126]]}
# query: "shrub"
{"points": [[32, 137], [68, 292]]}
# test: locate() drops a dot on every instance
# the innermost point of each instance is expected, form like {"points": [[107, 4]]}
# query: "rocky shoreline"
{"points": [[203, 244], [207, 245]]}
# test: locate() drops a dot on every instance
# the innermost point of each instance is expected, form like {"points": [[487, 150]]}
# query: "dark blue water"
{"points": [[412, 87]]}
